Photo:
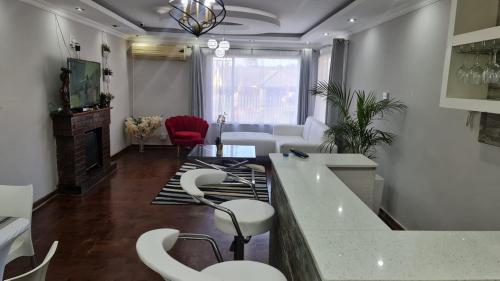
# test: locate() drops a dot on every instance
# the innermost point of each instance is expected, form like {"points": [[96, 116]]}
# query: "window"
{"points": [[324, 62], [254, 89]]}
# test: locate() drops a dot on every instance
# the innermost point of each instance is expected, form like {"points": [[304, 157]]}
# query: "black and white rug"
{"points": [[172, 193]]}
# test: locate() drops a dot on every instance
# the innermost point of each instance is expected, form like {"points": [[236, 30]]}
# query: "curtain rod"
{"points": [[264, 49]]}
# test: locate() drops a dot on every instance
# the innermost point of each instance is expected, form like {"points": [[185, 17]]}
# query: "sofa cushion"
{"points": [[307, 127], [315, 131], [264, 143], [281, 140], [187, 135]]}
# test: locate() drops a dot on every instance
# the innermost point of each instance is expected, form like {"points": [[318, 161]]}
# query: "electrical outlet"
{"points": [[385, 95]]}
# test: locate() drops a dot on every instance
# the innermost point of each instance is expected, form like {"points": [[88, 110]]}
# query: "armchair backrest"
{"points": [[314, 130], [16, 201], [190, 180], [152, 248], [186, 123]]}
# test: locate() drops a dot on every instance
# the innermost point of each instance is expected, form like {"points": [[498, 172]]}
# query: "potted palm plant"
{"points": [[355, 131]]}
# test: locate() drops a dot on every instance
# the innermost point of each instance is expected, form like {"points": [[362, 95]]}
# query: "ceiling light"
{"points": [[352, 20], [224, 45], [212, 44], [220, 52], [197, 17], [326, 34], [79, 9]]}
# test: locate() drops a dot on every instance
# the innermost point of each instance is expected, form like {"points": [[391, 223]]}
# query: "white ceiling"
{"points": [[294, 16], [291, 23]]}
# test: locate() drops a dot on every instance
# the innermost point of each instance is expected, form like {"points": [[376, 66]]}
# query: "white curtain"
{"points": [[324, 61], [252, 87]]}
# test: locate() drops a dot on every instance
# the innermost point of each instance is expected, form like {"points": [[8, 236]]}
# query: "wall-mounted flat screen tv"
{"points": [[84, 83]]}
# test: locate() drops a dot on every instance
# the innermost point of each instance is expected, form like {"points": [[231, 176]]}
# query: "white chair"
{"points": [[242, 218], [153, 245], [17, 201], [38, 274]]}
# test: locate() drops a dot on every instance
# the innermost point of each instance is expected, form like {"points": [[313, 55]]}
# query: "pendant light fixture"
{"points": [[197, 16], [220, 53], [224, 45], [212, 44]]}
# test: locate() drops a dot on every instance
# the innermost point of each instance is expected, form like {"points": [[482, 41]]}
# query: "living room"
{"points": [[303, 140]]}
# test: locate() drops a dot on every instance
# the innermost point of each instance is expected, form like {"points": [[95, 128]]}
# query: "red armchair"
{"points": [[186, 131]]}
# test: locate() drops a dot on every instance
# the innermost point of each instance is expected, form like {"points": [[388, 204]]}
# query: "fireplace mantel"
{"points": [[74, 147]]}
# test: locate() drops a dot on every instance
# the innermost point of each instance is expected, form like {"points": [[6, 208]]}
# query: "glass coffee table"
{"points": [[236, 155]]}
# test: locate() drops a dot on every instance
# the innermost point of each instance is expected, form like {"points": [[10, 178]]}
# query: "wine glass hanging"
{"points": [[473, 70]]}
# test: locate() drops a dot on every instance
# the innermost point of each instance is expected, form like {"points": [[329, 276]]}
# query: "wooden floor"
{"points": [[97, 232]]}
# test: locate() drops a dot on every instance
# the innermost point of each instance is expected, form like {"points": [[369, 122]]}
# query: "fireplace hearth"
{"points": [[83, 151]]}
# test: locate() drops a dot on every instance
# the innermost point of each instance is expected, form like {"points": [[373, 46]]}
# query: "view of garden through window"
{"points": [[256, 90]]}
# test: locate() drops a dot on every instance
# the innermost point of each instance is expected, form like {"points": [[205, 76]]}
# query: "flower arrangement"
{"points": [[142, 128], [105, 99]]}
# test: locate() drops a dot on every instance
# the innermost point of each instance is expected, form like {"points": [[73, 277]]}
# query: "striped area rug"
{"points": [[172, 193]]}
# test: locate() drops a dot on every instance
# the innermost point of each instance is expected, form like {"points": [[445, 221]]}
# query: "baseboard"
{"points": [[389, 220], [119, 153], [44, 200]]}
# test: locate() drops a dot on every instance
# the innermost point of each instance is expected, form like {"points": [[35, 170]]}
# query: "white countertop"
{"points": [[349, 242]]}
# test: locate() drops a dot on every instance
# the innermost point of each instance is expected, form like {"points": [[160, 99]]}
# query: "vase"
{"points": [[220, 148], [141, 146]]}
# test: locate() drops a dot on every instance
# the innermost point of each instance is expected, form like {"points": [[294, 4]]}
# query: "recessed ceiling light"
{"points": [[326, 34], [79, 9], [352, 20]]}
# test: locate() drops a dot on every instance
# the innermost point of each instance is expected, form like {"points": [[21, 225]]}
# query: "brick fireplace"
{"points": [[83, 151]]}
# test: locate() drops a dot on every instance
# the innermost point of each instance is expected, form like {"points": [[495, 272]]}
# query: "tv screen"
{"points": [[84, 83]]}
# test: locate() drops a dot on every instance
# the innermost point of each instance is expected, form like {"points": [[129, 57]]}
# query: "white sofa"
{"points": [[307, 138]]}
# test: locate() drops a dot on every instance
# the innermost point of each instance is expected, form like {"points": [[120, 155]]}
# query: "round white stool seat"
{"points": [[254, 217], [244, 271]]}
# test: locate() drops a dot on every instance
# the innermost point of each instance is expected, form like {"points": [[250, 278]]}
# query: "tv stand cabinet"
{"points": [[83, 149]]}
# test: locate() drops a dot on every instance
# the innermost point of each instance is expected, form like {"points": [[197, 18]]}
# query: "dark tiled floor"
{"points": [[97, 232]]}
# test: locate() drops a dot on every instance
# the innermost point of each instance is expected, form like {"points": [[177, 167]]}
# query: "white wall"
{"points": [[161, 87], [438, 176], [30, 61]]}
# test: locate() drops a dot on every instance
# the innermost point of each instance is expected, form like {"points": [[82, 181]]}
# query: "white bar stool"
{"points": [[242, 218], [153, 245]]}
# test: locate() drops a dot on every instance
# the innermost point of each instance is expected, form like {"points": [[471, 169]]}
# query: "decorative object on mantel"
{"points": [[489, 130], [356, 133], [142, 128], [221, 120], [64, 91], [105, 99], [198, 16]]}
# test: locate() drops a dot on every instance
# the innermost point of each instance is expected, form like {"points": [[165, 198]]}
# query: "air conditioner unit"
{"points": [[161, 51]]}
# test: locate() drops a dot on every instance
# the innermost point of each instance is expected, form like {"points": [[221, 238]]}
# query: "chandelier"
{"points": [[197, 16]]}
